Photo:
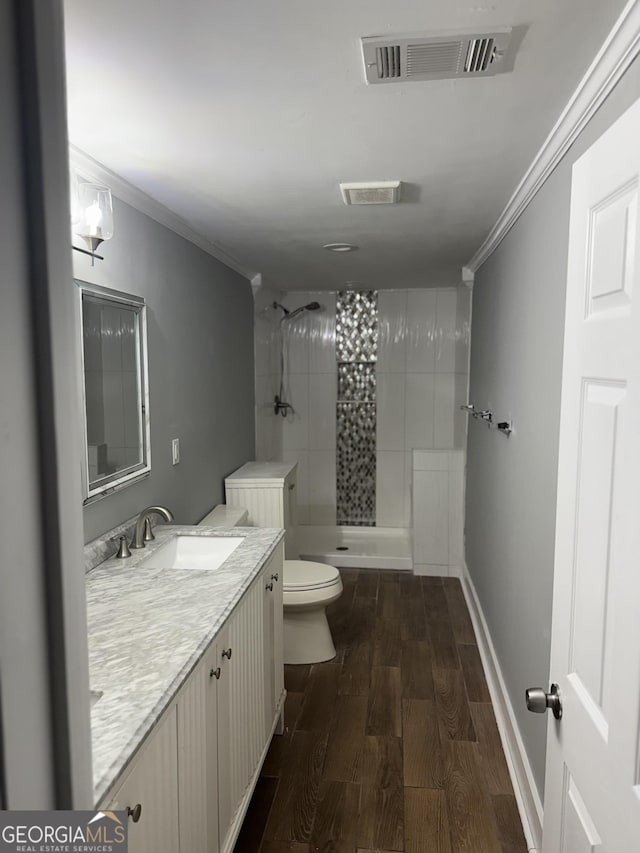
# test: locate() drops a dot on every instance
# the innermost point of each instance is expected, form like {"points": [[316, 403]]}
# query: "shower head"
{"points": [[311, 306]]}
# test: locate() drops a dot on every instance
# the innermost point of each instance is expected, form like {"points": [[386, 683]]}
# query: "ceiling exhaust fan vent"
{"points": [[371, 192], [436, 57]]}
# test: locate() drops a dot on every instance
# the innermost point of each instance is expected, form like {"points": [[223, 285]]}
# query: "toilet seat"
{"points": [[308, 586], [305, 576]]}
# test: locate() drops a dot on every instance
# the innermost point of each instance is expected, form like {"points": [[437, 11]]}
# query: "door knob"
{"points": [[538, 701]]}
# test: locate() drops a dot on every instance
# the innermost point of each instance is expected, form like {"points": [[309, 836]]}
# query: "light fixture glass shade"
{"points": [[96, 212]]}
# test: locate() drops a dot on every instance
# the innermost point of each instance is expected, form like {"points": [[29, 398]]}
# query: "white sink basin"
{"points": [[194, 552]]}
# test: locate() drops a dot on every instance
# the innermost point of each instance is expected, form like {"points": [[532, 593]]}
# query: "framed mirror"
{"points": [[115, 389]]}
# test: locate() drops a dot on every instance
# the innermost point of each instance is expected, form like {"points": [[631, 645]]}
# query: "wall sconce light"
{"points": [[91, 215]]}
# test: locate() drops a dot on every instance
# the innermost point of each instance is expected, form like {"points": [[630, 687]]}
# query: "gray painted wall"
{"points": [[516, 368], [200, 332]]}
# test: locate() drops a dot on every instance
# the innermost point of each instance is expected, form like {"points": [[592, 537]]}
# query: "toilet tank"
{"points": [[267, 490]]}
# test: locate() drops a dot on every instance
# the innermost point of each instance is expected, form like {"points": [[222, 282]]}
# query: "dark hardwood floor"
{"points": [[393, 745]]}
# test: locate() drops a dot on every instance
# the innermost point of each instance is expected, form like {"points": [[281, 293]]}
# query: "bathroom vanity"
{"points": [[188, 681]]}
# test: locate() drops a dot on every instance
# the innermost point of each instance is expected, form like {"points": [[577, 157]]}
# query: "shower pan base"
{"points": [[357, 547]]}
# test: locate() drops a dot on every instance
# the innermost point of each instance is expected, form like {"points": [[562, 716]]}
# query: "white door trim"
{"points": [[524, 786], [613, 59]]}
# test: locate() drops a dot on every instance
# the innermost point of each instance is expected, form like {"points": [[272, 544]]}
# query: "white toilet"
{"points": [[307, 590], [267, 491]]}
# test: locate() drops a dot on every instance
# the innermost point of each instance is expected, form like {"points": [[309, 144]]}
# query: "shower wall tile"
{"points": [[408, 489], [322, 333], [431, 517], [390, 489], [421, 331], [438, 510], [392, 338], [267, 368], [322, 487], [460, 418], [295, 427], [296, 346], [456, 512], [446, 301], [444, 416], [463, 329], [322, 411], [419, 410], [391, 411], [422, 355]]}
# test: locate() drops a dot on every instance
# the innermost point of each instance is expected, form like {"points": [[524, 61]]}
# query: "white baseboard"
{"points": [[526, 792]]}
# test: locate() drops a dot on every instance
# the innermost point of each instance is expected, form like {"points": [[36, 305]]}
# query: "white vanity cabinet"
{"points": [[198, 767]]}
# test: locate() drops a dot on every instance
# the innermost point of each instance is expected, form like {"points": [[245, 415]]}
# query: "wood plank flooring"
{"points": [[393, 745]]}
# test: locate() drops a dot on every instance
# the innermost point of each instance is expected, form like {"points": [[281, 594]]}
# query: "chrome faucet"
{"points": [[139, 536]]}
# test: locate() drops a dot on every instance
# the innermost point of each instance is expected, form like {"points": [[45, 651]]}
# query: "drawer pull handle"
{"points": [[226, 653], [135, 812], [214, 673], [274, 577], [269, 586]]}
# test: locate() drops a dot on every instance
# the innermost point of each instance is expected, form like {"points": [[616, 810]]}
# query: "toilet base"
{"points": [[307, 638]]}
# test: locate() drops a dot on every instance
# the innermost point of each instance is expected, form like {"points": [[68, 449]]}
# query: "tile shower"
{"points": [[417, 377]]}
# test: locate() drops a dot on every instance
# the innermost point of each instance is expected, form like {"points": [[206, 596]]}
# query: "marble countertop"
{"points": [[148, 628]]}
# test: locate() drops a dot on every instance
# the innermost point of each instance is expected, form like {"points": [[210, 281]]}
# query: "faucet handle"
{"points": [[148, 531], [123, 550]]}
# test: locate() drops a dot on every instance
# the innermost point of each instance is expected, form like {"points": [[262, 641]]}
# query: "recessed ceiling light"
{"points": [[340, 247]]}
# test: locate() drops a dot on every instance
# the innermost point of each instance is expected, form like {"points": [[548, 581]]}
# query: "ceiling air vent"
{"points": [[436, 57], [371, 192]]}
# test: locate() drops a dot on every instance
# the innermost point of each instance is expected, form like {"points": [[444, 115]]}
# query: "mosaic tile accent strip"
{"points": [[356, 468], [357, 381], [357, 325], [356, 352]]}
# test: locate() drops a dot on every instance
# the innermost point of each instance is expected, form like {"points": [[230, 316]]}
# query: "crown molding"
{"points": [[612, 61], [92, 170]]}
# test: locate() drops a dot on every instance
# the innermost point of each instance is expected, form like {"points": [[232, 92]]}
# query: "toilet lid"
{"points": [[301, 575]]}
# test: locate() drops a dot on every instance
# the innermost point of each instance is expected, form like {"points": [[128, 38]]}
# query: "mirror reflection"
{"points": [[114, 374]]}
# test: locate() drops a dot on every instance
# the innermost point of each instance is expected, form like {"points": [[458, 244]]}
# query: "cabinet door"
{"points": [[272, 642], [193, 789], [225, 731], [152, 784], [241, 721], [278, 617], [212, 675]]}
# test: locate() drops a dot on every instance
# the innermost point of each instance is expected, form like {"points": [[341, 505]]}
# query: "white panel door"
{"points": [[592, 791]]}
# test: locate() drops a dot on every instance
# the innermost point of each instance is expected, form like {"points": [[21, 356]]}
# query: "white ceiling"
{"points": [[242, 116]]}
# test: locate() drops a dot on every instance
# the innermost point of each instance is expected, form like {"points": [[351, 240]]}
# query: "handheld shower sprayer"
{"points": [[280, 405]]}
